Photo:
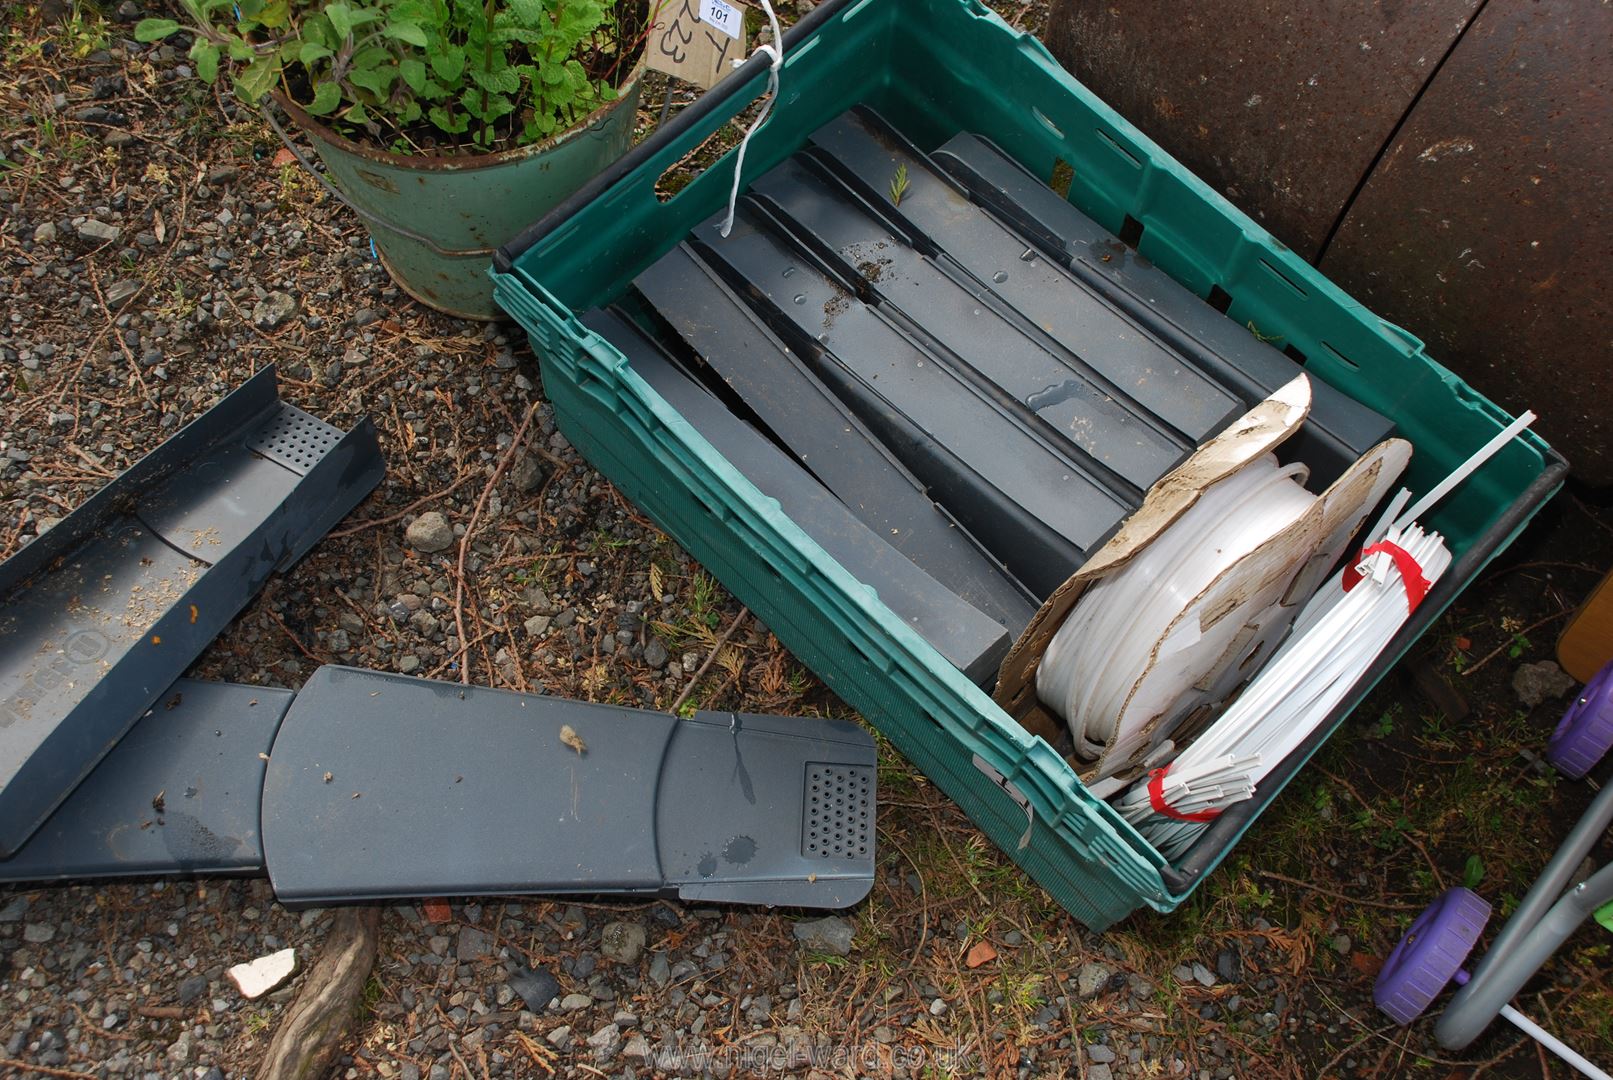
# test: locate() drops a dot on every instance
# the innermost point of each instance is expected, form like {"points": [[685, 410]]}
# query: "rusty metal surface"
{"points": [[1485, 230], [1280, 106]]}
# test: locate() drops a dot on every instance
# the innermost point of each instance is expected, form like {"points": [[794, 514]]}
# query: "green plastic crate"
{"points": [[935, 67]]}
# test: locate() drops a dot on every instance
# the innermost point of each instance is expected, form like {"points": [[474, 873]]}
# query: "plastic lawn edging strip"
{"points": [[969, 71]]}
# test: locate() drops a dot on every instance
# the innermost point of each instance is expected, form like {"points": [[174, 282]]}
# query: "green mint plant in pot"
{"points": [[448, 125]]}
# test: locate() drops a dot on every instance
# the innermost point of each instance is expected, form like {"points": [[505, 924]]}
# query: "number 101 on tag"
{"points": [[723, 16]]}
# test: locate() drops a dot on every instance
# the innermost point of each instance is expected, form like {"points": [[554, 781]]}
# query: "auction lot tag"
{"points": [[725, 17], [693, 48]]}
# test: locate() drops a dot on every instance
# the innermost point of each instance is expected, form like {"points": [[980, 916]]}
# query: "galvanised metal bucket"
{"points": [[465, 205]]}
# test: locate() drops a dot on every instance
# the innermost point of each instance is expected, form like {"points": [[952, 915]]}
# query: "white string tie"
{"points": [[775, 50]]}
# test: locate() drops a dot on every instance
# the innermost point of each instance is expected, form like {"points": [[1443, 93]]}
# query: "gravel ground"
{"points": [[160, 248]]}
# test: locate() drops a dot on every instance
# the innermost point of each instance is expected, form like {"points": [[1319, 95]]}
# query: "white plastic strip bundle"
{"points": [[1091, 668], [1335, 639], [1344, 630]]}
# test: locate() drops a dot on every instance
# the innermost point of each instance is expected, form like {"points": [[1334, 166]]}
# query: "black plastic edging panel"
{"points": [[179, 794], [988, 258], [1129, 449], [389, 786], [1339, 429], [1031, 505], [969, 639], [824, 435], [174, 549]]}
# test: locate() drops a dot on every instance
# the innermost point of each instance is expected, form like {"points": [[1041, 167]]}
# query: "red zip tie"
{"points": [[1411, 575], [1156, 797]]}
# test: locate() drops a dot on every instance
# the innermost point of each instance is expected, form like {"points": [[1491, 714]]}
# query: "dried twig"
{"points": [[1433, 867], [1505, 645], [401, 514], [310, 1035], [470, 532], [1273, 875], [710, 659]]}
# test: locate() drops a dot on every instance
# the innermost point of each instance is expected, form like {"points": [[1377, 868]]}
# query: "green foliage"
{"points": [[483, 74], [898, 185]]}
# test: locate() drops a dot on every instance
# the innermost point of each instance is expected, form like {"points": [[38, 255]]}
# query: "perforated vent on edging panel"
{"points": [[294, 439], [839, 819]]}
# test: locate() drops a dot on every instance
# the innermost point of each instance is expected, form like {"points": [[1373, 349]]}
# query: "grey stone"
{"points": [[1100, 1072], [473, 944], [1203, 975], [623, 942], [1092, 978], [606, 1042], [660, 970], [573, 1002], [1538, 682], [192, 989], [536, 986], [938, 1007], [1341, 944], [1100, 1054], [538, 625], [46, 233], [98, 231], [13, 911], [655, 653], [408, 665], [560, 1037], [529, 474], [430, 532], [38, 933], [99, 114], [119, 292], [274, 311], [637, 1049], [831, 934]]}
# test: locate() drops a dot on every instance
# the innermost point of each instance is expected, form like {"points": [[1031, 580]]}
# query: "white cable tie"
{"points": [[774, 49]]}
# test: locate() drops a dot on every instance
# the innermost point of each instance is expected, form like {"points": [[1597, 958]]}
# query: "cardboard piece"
{"points": [[1256, 433], [683, 44], [1239, 619], [1232, 627]]}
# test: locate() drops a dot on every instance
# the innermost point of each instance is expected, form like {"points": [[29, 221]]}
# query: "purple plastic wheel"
{"points": [[1586, 730], [1430, 954]]}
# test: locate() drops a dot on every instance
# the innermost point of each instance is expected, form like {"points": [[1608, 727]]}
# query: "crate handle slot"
{"points": [[1048, 124], [1285, 279], [1117, 148], [1341, 358]]}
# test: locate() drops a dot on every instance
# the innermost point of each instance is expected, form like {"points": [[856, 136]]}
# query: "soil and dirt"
{"points": [[158, 249]]}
